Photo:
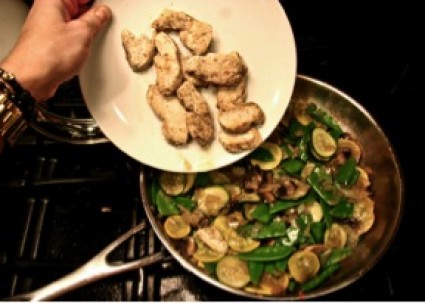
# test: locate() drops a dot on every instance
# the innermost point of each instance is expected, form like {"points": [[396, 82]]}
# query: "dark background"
{"points": [[374, 52]]}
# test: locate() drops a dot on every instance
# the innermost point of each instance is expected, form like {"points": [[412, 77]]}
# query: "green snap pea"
{"points": [[320, 278], [186, 202], [273, 230], [292, 166], [318, 231], [154, 190], [262, 213], [323, 117], [347, 174], [343, 210], [165, 204], [269, 253], [255, 270], [337, 255]]}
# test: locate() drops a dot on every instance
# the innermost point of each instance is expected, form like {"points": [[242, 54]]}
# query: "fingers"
{"points": [[96, 18]]}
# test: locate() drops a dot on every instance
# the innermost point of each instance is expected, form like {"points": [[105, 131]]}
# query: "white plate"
{"points": [[12, 16], [259, 30]]}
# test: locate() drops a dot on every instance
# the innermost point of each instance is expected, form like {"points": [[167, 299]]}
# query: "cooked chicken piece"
{"points": [[201, 128], [138, 50], [194, 34], [169, 73], [228, 96], [241, 117], [192, 99], [235, 143], [216, 68], [213, 238], [199, 120], [189, 77], [173, 115], [197, 37], [172, 20]]}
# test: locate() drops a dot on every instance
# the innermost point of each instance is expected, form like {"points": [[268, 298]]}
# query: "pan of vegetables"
{"points": [[307, 213]]}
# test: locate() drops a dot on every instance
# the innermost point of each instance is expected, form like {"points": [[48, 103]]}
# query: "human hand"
{"points": [[54, 44]]}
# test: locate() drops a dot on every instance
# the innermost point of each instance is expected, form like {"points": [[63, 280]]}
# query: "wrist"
{"points": [[30, 81]]}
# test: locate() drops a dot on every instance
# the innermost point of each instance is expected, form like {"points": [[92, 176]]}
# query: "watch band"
{"points": [[12, 122], [18, 95]]}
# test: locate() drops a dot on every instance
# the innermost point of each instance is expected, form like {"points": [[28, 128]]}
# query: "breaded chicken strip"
{"points": [[197, 37], [216, 68], [194, 34], [173, 115], [138, 50], [169, 73], [199, 119], [228, 96], [172, 20], [192, 99], [241, 117], [201, 128], [187, 76], [236, 143]]}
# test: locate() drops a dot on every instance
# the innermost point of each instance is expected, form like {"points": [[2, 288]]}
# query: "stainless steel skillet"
{"points": [[388, 195]]}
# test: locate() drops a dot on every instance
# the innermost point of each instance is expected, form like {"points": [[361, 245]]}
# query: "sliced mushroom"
{"points": [[300, 112], [347, 148], [364, 215], [213, 238], [291, 188], [270, 285]]}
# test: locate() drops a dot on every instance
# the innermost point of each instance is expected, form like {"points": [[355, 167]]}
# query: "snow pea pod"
{"points": [[262, 213], [337, 255], [166, 205], [347, 174], [320, 278], [343, 210], [255, 270], [273, 230], [269, 253]]}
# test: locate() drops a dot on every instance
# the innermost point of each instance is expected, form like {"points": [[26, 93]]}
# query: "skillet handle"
{"points": [[95, 269]]}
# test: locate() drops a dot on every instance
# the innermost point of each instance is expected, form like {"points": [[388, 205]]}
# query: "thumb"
{"points": [[96, 17]]}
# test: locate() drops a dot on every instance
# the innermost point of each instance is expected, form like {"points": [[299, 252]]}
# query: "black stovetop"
{"points": [[60, 204]]}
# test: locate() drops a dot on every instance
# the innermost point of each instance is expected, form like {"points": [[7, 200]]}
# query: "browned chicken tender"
{"points": [[241, 117], [173, 115], [197, 37], [192, 99], [216, 68], [169, 73], [199, 119], [138, 50], [236, 143], [228, 96], [172, 20], [194, 34], [201, 128]]}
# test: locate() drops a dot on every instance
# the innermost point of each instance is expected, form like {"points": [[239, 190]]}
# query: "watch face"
{"points": [[12, 17]]}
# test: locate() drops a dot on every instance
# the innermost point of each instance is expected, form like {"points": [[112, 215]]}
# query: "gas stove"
{"points": [[67, 192]]}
